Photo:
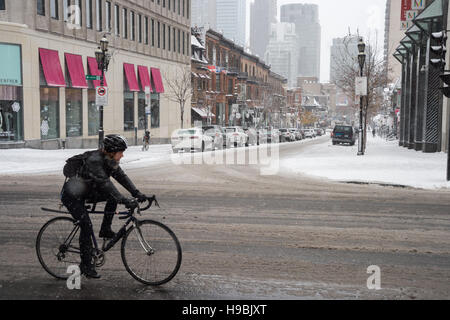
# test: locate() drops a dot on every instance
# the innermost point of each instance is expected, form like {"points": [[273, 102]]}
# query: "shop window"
{"points": [[155, 110], [128, 111], [11, 113], [74, 112], [141, 111], [40, 7], [93, 114], [49, 122]]}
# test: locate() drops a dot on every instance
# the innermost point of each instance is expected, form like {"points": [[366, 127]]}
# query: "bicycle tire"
{"points": [[59, 271], [167, 253]]}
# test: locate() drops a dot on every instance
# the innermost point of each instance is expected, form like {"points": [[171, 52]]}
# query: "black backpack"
{"points": [[74, 165]]}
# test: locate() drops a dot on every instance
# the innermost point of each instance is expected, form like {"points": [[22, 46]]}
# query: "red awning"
{"points": [[76, 71], [131, 77], [94, 71], [52, 68], [157, 81], [144, 76]]}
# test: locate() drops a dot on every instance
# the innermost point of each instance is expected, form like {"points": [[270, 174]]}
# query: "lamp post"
{"points": [[361, 60], [103, 59]]}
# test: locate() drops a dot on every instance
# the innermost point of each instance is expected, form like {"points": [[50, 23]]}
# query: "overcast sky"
{"points": [[337, 16]]}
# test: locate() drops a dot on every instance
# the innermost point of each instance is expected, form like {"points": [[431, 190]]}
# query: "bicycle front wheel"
{"points": [[57, 246], [151, 253]]}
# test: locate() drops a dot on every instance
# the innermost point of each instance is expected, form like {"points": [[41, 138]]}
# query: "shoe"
{"points": [[106, 233], [89, 272]]}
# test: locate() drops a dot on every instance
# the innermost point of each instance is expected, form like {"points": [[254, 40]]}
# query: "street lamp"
{"points": [[102, 58], [362, 61]]}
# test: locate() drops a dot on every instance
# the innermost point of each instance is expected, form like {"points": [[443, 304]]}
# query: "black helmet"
{"points": [[115, 143]]}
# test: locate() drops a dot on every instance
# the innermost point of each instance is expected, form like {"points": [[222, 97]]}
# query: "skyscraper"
{"points": [[342, 50], [203, 14], [262, 14], [307, 26], [231, 19]]}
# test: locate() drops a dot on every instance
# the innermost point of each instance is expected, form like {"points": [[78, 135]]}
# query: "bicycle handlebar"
{"points": [[150, 201]]}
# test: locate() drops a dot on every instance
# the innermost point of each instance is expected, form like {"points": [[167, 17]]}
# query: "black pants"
{"points": [[77, 209]]}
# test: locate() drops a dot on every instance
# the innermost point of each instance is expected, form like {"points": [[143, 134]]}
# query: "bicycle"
{"points": [[150, 251]]}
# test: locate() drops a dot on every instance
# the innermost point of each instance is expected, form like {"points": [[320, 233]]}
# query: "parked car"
{"points": [[218, 134], [318, 132], [252, 137], [236, 136], [193, 139], [309, 133], [275, 134], [297, 134], [263, 136], [343, 134], [285, 135]]}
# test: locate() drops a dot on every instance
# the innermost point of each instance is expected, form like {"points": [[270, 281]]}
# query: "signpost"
{"points": [[101, 96]]}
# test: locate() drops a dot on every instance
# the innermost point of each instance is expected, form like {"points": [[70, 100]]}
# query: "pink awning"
{"points": [[144, 76], [157, 80], [131, 77], [76, 71], [94, 71], [52, 68]]}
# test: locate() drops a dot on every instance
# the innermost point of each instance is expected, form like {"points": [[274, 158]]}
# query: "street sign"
{"points": [[147, 111], [361, 86], [147, 96], [89, 77], [101, 96]]}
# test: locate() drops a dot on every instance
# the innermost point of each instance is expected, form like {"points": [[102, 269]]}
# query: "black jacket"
{"points": [[94, 179]]}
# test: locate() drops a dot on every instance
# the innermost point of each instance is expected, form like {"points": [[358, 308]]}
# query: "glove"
{"points": [[130, 203], [140, 196]]}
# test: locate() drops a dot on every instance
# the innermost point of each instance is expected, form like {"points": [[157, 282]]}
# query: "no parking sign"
{"points": [[101, 96]]}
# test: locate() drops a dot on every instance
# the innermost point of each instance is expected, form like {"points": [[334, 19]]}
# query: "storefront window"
{"points": [[93, 114], [74, 112], [128, 111], [155, 110], [141, 111], [11, 114], [49, 122]]}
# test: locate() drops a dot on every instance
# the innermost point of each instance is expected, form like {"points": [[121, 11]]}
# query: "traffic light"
{"points": [[438, 49]]}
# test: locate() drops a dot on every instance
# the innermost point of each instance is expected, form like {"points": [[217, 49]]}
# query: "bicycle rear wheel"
{"points": [[151, 253], [57, 246]]}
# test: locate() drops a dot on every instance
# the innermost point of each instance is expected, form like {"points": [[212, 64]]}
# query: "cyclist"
{"points": [[146, 140], [93, 184]]}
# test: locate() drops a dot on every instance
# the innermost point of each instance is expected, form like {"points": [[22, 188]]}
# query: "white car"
{"points": [[309, 133], [236, 136], [193, 139]]}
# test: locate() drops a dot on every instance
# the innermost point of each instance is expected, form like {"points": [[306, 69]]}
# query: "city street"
{"points": [[248, 236]]}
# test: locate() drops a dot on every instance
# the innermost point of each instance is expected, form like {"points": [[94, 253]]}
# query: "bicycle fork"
{"points": [[144, 244]]}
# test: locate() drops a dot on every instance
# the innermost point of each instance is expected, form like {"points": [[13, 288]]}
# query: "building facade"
{"points": [[282, 51], [308, 29], [231, 17], [204, 14], [51, 104], [341, 50], [262, 14]]}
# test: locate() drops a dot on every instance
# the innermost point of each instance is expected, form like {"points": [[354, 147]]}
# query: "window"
{"points": [[41, 7], [179, 7], [133, 26], [174, 40], [164, 3], [168, 33], [98, 9], [173, 7], [93, 114], [2, 5], [183, 44], [117, 20], [159, 34], [155, 110], [218, 83], [140, 28], [74, 112], [184, 6], [142, 118], [168, 2], [89, 14], [187, 9], [128, 111], [125, 23], [78, 17], [146, 30], [164, 36], [53, 9], [108, 24], [153, 33], [179, 41], [66, 10]]}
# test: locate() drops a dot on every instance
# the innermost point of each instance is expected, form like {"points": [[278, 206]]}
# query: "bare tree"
{"points": [[180, 89], [346, 69]]}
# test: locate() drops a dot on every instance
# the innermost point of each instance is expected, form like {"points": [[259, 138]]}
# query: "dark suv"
{"points": [[343, 134]]}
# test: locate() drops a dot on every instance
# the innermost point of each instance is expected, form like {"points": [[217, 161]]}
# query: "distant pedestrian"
{"points": [[373, 132]]}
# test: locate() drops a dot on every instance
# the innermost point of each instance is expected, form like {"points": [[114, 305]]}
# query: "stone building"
{"points": [[48, 47]]}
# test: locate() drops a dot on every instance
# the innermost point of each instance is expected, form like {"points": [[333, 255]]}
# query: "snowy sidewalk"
{"points": [[32, 161], [384, 162]]}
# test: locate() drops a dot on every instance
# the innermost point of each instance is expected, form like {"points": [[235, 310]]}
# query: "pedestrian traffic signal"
{"points": [[438, 49]]}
